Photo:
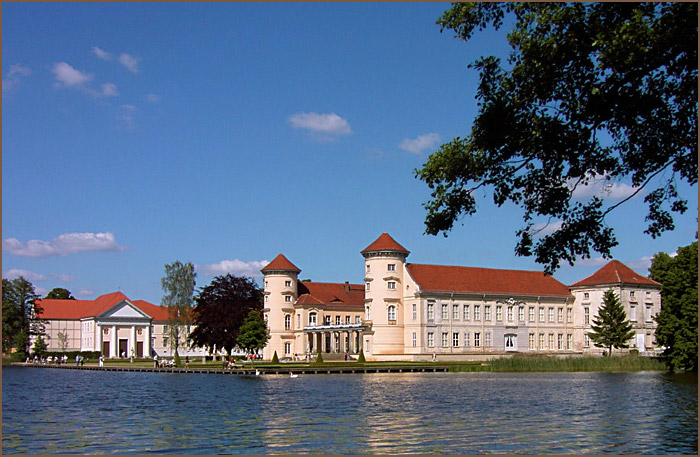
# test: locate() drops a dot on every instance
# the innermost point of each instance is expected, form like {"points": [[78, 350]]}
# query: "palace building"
{"points": [[406, 311]]}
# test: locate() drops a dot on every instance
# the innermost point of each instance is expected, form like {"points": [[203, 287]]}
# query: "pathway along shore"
{"points": [[250, 371]]}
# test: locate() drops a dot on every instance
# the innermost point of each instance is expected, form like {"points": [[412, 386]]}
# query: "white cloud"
{"points": [[545, 228], [130, 62], [101, 53], [67, 76], [640, 265], [127, 115], [64, 278], [235, 267], [62, 245], [592, 262], [324, 127], [85, 293], [14, 76], [109, 90], [152, 98], [602, 187], [421, 143], [28, 275]]}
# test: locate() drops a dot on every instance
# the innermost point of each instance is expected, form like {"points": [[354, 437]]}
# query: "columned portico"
{"points": [[333, 338]]}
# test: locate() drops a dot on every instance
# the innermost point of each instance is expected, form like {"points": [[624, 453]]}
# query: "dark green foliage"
{"points": [[361, 357], [221, 307], [677, 328], [176, 360], [19, 311], [319, 358], [253, 335], [275, 359], [611, 327], [59, 293], [178, 286], [40, 347], [592, 91]]}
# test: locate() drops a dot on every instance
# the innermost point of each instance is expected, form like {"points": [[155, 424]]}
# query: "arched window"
{"points": [[287, 322], [392, 313]]}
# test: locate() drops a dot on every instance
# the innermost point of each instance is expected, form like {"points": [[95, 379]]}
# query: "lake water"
{"points": [[46, 411]]}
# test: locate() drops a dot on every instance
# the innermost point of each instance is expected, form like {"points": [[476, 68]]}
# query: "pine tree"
{"points": [[611, 327]]}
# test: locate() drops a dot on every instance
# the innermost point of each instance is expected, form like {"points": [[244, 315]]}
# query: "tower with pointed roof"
{"points": [[280, 292], [385, 263]]}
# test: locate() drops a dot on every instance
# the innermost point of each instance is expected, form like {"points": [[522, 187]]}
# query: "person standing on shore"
{"points": [[155, 361], [187, 361]]}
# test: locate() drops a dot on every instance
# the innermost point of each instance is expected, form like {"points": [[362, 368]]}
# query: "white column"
{"points": [[98, 340], [113, 350], [132, 342], [147, 341]]}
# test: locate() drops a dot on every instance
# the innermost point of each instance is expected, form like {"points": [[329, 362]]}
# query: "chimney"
{"points": [[346, 286]]}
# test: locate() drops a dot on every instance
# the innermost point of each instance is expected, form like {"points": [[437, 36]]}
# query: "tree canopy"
{"points": [[677, 328], [611, 328], [592, 92], [178, 286], [253, 334], [59, 293], [19, 312], [221, 308]]}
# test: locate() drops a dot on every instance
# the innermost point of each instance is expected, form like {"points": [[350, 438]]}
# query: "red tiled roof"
{"points": [[323, 293], [281, 263], [385, 243], [440, 278], [616, 272], [78, 309]]}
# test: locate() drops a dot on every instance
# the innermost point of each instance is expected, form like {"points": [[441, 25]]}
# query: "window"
{"points": [[477, 339], [347, 320], [391, 285], [431, 311], [312, 319], [414, 312], [337, 320], [288, 284], [477, 312], [586, 315], [298, 320], [266, 298], [445, 341], [569, 315], [287, 348], [586, 296], [569, 341], [521, 313], [466, 339], [560, 314], [487, 312], [551, 341], [586, 340], [455, 339], [465, 312], [510, 314], [531, 341], [633, 313], [287, 322], [551, 314], [541, 312], [391, 313], [445, 315], [391, 267], [510, 342], [367, 267], [455, 312], [358, 320], [431, 339], [499, 313], [414, 339], [531, 314], [541, 341], [326, 320], [648, 314], [632, 294], [487, 339], [367, 285], [560, 341], [287, 298]]}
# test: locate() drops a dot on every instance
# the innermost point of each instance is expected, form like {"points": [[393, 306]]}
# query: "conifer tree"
{"points": [[611, 328]]}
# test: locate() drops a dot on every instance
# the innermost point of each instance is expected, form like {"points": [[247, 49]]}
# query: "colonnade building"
{"points": [[406, 311]]}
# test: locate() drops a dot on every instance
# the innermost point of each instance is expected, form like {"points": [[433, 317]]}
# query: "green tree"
{"points": [[178, 286], [19, 315], [40, 347], [220, 309], [253, 334], [59, 293], [611, 328], [677, 328], [592, 92]]}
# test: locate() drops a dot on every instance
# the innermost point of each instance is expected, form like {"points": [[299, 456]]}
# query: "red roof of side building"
{"points": [[79, 309], [385, 243], [281, 263], [616, 272], [330, 294], [441, 278]]}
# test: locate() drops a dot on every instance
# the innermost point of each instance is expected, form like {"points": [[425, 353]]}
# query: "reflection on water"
{"points": [[49, 411]]}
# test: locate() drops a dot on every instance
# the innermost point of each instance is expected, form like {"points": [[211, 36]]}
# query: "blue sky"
{"points": [[222, 134]]}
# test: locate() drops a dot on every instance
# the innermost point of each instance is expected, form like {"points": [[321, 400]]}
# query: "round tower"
{"points": [[385, 262], [280, 288]]}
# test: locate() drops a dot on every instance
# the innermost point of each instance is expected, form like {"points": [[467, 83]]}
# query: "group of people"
{"points": [[49, 359], [168, 363]]}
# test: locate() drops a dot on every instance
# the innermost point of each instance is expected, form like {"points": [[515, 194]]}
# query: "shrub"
{"points": [[319, 358], [361, 357], [275, 359]]}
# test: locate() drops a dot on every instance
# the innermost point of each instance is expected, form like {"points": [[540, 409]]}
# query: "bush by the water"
{"points": [[629, 362], [319, 358]]}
